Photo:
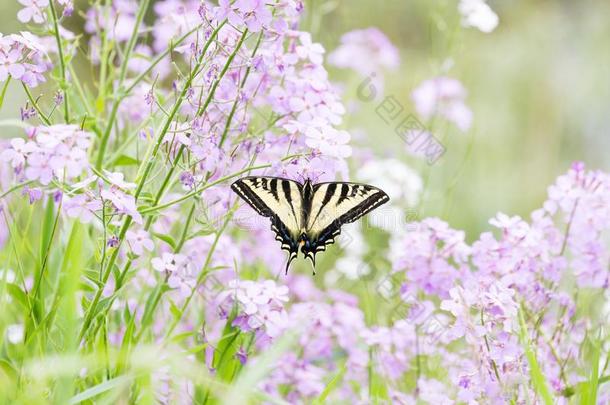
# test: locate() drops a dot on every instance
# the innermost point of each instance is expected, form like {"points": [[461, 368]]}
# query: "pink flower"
{"points": [[39, 168], [123, 203], [117, 179], [23, 57], [18, 151], [366, 51], [82, 207], [445, 97], [261, 305], [34, 10], [56, 151], [308, 50], [168, 262], [180, 275], [255, 13], [329, 141], [227, 11], [138, 241]]}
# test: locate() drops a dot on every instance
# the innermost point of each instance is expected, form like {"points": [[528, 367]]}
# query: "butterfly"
{"points": [[307, 216]]}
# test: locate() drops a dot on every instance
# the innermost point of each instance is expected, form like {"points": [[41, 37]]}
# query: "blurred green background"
{"points": [[539, 88]]}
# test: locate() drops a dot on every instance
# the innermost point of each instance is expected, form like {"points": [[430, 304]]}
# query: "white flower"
{"points": [[14, 333], [397, 179], [476, 13]]}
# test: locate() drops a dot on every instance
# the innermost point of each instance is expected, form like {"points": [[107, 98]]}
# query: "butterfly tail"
{"points": [[312, 257], [291, 257]]}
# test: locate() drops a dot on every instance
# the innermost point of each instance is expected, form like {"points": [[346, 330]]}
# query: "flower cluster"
{"points": [[259, 306], [365, 51], [22, 57], [444, 97], [178, 270], [51, 152]]}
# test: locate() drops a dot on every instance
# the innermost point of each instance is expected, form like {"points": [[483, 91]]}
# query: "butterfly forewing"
{"points": [[341, 203], [271, 196]]}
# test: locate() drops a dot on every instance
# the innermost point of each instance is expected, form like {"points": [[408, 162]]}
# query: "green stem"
{"points": [[243, 82], [35, 105], [204, 107], [16, 187], [119, 94], [80, 91], [185, 229], [62, 62], [4, 88], [202, 275], [158, 59]]}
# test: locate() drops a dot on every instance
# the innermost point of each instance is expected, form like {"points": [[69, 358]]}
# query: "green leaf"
{"points": [[166, 238], [47, 228], [65, 309], [17, 294], [119, 382], [378, 391], [125, 160], [588, 389], [538, 380], [4, 88], [174, 310], [332, 384]]}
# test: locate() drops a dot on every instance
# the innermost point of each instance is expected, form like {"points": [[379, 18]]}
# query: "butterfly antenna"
{"points": [[315, 179]]}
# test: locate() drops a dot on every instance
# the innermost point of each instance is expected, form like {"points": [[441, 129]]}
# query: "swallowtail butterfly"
{"points": [[307, 216]]}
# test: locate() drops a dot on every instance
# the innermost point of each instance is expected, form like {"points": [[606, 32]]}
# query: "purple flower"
{"points": [[81, 206], [113, 241], [366, 51], [256, 14], [226, 10], [242, 356], [187, 179], [58, 98], [27, 112], [260, 305], [138, 241], [34, 194], [23, 57], [122, 202], [180, 274], [443, 96], [33, 10]]}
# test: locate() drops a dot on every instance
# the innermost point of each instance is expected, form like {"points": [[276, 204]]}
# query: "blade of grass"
{"points": [[119, 382], [332, 384], [72, 266], [539, 382]]}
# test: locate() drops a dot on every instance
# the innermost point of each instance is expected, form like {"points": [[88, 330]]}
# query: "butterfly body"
{"points": [[307, 216]]}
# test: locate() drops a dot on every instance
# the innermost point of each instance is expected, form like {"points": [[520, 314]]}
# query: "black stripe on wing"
{"points": [[245, 192]]}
